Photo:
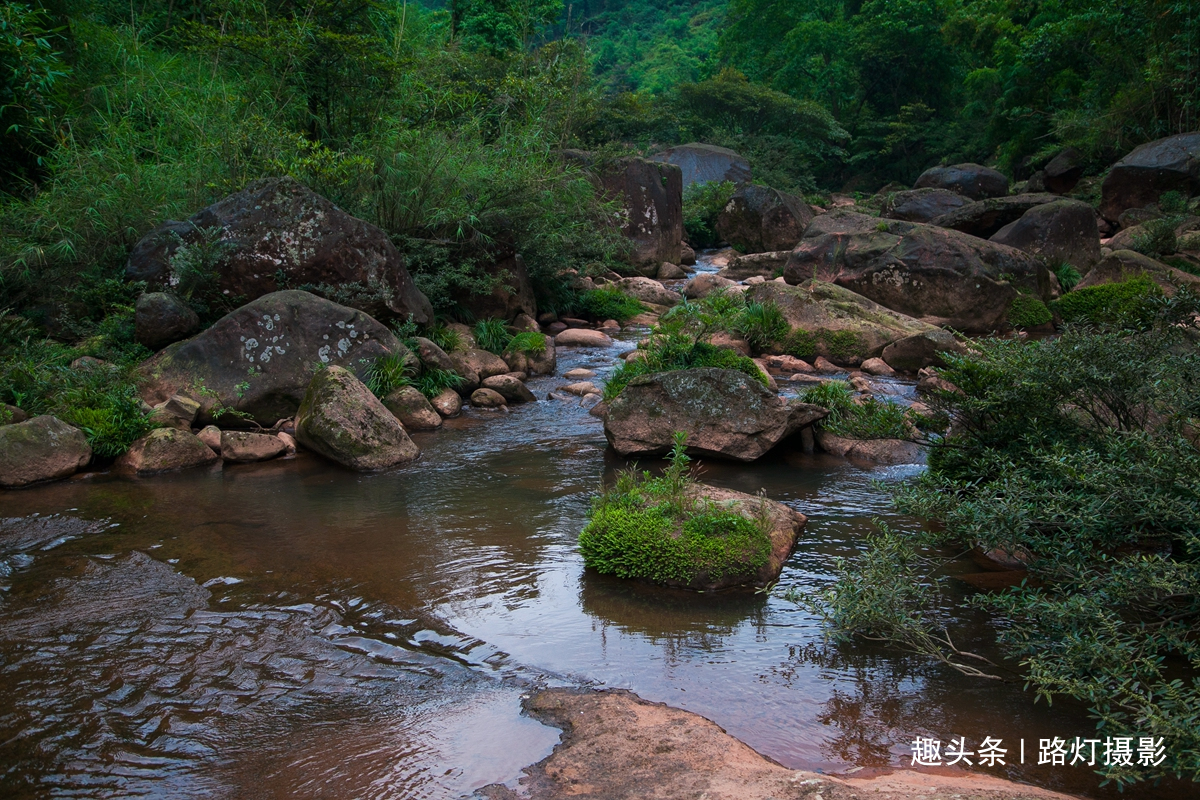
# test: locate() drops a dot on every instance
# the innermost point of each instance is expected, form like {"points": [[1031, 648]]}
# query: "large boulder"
{"points": [[512, 292], [834, 322], [1062, 231], [41, 449], [765, 265], [166, 450], [341, 420], [877, 451], [971, 180], [725, 413], [277, 233], [473, 365], [1063, 171], [1122, 265], [984, 218], [160, 319], [933, 274], [706, 163], [258, 359], [246, 447], [431, 356], [922, 205], [582, 337], [511, 388], [1142, 176], [706, 283], [652, 217], [758, 219], [648, 290], [914, 353]]}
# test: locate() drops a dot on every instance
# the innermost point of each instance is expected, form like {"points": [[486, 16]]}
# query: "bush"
{"points": [[609, 302], [433, 381], [670, 353], [389, 373], [492, 335], [1109, 303], [702, 203], [866, 419], [1068, 276], [649, 528], [531, 343], [445, 337], [1027, 311], [762, 325]]}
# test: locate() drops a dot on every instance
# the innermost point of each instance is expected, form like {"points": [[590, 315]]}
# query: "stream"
{"points": [[294, 629]]}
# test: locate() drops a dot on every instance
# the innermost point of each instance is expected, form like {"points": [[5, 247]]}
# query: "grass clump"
{"points": [[866, 418], [433, 381], [1027, 311], [492, 335], [609, 302], [762, 325], [389, 373], [652, 528], [1068, 276], [664, 354], [445, 337], [531, 343], [1109, 303], [702, 204]]}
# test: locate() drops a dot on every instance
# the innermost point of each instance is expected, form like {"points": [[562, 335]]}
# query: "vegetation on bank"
{"points": [[1079, 455], [655, 528]]}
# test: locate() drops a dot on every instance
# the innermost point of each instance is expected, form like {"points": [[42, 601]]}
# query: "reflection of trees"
{"points": [[674, 619]]}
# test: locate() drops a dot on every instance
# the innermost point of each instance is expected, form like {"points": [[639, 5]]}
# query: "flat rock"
{"points": [[41, 449], [246, 447], [166, 450], [878, 451], [341, 420], [582, 337], [763, 265], [922, 205], [1122, 265], [581, 388], [704, 163], [579, 374]]}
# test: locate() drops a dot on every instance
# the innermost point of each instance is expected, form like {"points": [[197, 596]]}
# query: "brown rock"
{"points": [[1150, 170], [433, 357], [412, 409], [289, 443], [877, 366], [687, 256], [11, 414], [166, 450], [705, 163], [929, 382], [758, 219], [510, 388], [1062, 231], [525, 322], [921, 350], [879, 451], [788, 364], [1063, 171], [580, 337], [487, 398], [648, 290], [340, 419], [246, 447], [579, 374], [971, 180], [705, 284], [762, 265], [581, 388], [725, 414], [543, 363], [511, 294], [728, 341], [448, 403], [670, 272], [822, 364], [1123, 265], [41, 449], [211, 436], [177, 411], [652, 196]]}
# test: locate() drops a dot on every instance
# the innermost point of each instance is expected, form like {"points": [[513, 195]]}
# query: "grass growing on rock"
{"points": [[609, 302], [651, 528], [491, 335], [867, 418]]}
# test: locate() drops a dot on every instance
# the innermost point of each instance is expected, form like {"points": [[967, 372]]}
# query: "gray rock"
{"points": [[41, 449], [340, 419], [706, 163], [1062, 231], [971, 180], [923, 205], [160, 319], [759, 219], [1148, 171]]}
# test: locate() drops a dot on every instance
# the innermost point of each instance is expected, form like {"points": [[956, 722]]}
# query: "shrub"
{"points": [[1027, 311], [389, 373], [609, 302], [671, 353], [530, 343], [433, 381], [649, 528], [1109, 303], [867, 419], [492, 335], [702, 203], [1157, 237], [445, 337]]}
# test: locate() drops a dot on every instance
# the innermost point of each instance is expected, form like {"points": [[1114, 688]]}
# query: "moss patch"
{"points": [[1027, 311], [1107, 303]]}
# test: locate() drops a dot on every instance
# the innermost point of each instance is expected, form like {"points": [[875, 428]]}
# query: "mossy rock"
{"points": [[341, 420]]}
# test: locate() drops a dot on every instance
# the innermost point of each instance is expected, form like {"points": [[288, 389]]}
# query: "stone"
{"points": [[259, 359], [1058, 232], [580, 388], [412, 409], [1150, 170], [341, 420], [177, 411], [478, 363], [160, 319], [788, 364], [11, 414], [1064, 171], [579, 374], [706, 163], [581, 337], [727, 341], [754, 280], [609, 325], [758, 219], [939, 276], [555, 328], [575, 322], [279, 227], [289, 443], [878, 451], [725, 414], [211, 436], [41, 449], [913, 353], [970, 180], [487, 398], [824, 365], [547, 317], [763, 265], [432, 357], [448, 403], [984, 218], [648, 290], [511, 294], [922, 205], [687, 256], [704, 284], [837, 323], [166, 450], [806, 378], [510, 388], [246, 447], [543, 363], [526, 323], [670, 272], [877, 366], [929, 382], [651, 195], [1123, 265]]}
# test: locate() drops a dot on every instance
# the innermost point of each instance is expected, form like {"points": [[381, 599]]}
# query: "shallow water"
{"points": [[290, 628]]}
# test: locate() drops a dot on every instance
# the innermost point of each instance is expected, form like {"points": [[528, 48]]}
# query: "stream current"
{"points": [[293, 629]]}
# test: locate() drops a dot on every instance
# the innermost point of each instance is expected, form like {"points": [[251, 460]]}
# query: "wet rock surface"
{"points": [[166, 450], [41, 449], [340, 419]]}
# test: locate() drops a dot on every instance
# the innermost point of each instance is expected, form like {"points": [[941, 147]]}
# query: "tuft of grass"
{"points": [[388, 374], [867, 418], [762, 325], [669, 353], [1068, 276], [609, 302], [445, 337], [492, 335], [530, 343], [434, 381]]}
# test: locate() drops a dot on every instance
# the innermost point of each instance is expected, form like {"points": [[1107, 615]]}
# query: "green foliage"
{"points": [[1079, 453], [1068, 276], [389, 373], [1157, 237], [702, 204], [433, 381], [609, 302], [1028, 311], [866, 418], [530, 343], [671, 353], [762, 325], [445, 337], [650, 528], [1109, 303], [31, 77], [492, 335], [497, 27], [844, 345]]}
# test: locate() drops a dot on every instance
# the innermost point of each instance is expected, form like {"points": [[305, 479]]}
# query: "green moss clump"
{"points": [[801, 344], [1107, 303], [1027, 311], [844, 344], [649, 528], [609, 302]]}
